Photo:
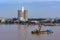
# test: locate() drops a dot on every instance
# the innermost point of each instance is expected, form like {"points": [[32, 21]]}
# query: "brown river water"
{"points": [[23, 32]]}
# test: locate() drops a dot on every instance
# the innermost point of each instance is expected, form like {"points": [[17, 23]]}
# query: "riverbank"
{"points": [[43, 24]]}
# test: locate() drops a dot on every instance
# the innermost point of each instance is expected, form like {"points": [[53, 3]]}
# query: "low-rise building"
{"points": [[2, 20]]}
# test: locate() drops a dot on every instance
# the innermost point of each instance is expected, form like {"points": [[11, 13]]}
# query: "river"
{"points": [[23, 32]]}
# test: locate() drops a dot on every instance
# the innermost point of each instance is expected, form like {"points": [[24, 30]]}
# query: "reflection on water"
{"points": [[23, 32]]}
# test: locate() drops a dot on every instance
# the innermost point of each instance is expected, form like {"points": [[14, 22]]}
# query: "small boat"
{"points": [[41, 31]]}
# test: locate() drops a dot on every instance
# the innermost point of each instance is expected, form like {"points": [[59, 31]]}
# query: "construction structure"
{"points": [[26, 15], [23, 14]]}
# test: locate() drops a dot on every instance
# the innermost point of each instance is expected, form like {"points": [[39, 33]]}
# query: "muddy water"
{"points": [[23, 32]]}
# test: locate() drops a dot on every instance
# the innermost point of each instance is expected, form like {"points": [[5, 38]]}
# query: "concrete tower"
{"points": [[26, 15], [20, 15], [23, 14]]}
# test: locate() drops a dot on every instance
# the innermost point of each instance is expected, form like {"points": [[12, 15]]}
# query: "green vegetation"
{"points": [[9, 22]]}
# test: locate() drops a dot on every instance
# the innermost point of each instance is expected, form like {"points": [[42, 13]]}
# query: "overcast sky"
{"points": [[36, 8]]}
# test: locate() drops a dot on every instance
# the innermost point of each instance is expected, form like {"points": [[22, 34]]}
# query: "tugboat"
{"points": [[41, 31]]}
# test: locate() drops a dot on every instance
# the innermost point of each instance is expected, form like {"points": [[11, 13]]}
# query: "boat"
{"points": [[41, 31]]}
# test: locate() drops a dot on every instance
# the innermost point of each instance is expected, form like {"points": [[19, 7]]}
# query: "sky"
{"points": [[20, 1], [36, 8]]}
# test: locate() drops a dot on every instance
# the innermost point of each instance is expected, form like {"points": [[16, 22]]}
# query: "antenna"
{"points": [[18, 6], [22, 9]]}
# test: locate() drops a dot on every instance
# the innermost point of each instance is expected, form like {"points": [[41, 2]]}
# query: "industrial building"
{"points": [[23, 14]]}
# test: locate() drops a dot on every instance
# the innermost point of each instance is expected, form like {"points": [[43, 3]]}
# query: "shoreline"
{"points": [[43, 24]]}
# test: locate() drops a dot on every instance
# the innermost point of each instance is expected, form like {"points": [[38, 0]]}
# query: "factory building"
{"points": [[26, 15], [23, 14], [20, 15]]}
